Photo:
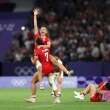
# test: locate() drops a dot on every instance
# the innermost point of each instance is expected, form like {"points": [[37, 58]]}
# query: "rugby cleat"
{"points": [[78, 95], [70, 72], [31, 100], [57, 100]]}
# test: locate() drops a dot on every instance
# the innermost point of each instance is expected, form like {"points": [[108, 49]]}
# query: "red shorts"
{"points": [[96, 98], [47, 69]]}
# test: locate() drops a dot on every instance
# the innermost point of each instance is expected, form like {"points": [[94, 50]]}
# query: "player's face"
{"points": [[43, 31]]}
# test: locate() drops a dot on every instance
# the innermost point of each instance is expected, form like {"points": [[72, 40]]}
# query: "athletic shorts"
{"points": [[47, 69]]}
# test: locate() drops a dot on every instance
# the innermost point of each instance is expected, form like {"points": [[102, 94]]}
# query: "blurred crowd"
{"points": [[79, 29]]}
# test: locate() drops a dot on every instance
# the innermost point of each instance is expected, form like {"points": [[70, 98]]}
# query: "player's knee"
{"points": [[34, 80]]}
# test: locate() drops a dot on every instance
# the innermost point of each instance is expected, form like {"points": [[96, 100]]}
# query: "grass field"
{"points": [[13, 99]]}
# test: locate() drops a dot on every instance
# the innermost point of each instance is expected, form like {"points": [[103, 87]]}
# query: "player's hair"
{"points": [[39, 41]]}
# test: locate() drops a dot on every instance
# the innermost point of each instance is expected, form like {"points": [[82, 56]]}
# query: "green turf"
{"points": [[13, 99]]}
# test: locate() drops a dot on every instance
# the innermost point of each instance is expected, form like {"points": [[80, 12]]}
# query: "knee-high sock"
{"points": [[52, 82]]}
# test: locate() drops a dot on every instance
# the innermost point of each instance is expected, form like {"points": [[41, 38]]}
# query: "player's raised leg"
{"points": [[61, 66]]}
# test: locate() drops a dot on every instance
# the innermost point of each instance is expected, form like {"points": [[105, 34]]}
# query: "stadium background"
{"points": [[80, 33]]}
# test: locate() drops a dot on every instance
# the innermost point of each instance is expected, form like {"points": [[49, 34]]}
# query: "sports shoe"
{"points": [[57, 100], [70, 72], [52, 94], [31, 100], [78, 95]]}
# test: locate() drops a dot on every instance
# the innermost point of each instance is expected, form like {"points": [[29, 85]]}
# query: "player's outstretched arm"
{"points": [[35, 20]]}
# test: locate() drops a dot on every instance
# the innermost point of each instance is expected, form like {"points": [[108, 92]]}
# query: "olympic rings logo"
{"points": [[18, 82], [7, 27], [24, 71]]}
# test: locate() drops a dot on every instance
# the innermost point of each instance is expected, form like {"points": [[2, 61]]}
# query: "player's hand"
{"points": [[32, 60], [36, 11]]}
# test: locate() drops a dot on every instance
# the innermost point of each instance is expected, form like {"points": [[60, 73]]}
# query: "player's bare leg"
{"points": [[36, 78], [90, 89], [59, 85], [61, 66]]}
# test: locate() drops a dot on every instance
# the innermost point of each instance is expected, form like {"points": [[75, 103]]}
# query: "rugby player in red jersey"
{"points": [[42, 32], [46, 41], [97, 94], [44, 35], [46, 44], [42, 54]]}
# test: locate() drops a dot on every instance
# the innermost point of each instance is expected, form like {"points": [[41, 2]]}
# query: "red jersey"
{"points": [[45, 39], [43, 56]]}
